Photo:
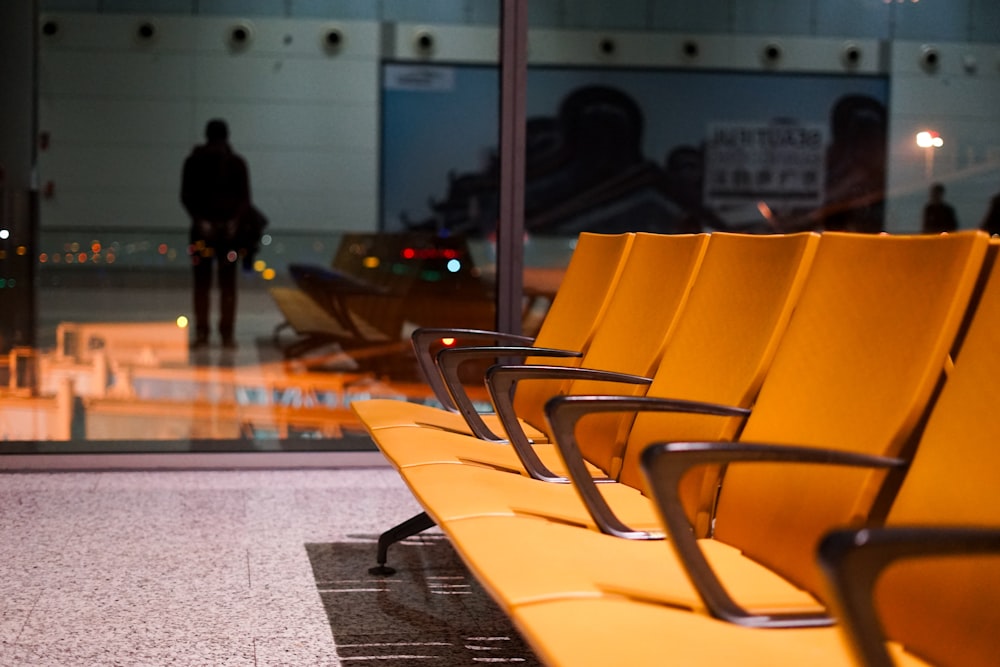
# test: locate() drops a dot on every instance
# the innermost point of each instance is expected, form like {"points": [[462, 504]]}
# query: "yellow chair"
{"points": [[745, 283], [577, 309], [922, 590], [932, 574], [626, 346], [856, 369]]}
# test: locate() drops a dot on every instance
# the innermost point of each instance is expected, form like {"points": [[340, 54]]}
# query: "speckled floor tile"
{"points": [[12, 620], [97, 652], [214, 568], [291, 652]]}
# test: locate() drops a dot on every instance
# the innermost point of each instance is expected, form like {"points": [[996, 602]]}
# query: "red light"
{"points": [[447, 342], [163, 248], [429, 253]]}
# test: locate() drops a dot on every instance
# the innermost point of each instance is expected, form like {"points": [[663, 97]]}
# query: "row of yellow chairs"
{"points": [[740, 438]]}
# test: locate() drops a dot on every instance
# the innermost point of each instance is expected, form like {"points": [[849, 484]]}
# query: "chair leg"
{"points": [[398, 533]]}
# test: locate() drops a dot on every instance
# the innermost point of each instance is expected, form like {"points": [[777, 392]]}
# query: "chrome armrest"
{"points": [[501, 382], [564, 412], [424, 338], [664, 464], [852, 561], [449, 360]]}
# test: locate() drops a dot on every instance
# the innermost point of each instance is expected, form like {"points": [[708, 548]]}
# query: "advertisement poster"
{"points": [[613, 150]]}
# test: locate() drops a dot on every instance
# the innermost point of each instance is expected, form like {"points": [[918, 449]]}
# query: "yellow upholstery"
{"points": [[413, 446], [856, 369], [861, 357], [615, 631], [723, 343], [577, 309], [745, 283], [453, 496], [630, 338], [536, 559], [942, 610], [386, 413], [947, 608], [451, 492], [577, 312]]}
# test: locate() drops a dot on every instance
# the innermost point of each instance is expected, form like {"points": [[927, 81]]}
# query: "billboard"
{"points": [[637, 150]]}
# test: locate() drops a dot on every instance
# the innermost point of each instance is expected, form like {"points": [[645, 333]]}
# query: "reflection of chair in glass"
{"points": [[323, 309], [379, 284], [920, 590], [856, 367], [569, 324]]}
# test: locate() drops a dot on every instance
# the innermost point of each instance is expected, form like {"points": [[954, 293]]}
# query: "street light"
{"points": [[929, 140]]}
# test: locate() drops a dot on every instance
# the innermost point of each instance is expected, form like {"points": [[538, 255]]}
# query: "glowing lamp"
{"points": [[929, 139]]}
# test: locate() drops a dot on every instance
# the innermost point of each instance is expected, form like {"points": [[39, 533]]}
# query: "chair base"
{"points": [[412, 526]]}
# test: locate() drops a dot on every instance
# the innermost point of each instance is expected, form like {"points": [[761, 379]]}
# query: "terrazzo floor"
{"points": [[223, 568]]}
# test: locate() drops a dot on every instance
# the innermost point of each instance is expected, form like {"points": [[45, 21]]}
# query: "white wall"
{"points": [[122, 115], [960, 99]]}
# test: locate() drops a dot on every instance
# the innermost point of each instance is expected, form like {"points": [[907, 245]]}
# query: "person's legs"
{"points": [[202, 271], [227, 294]]}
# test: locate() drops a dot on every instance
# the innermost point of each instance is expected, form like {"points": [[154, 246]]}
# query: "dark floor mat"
{"points": [[432, 611]]}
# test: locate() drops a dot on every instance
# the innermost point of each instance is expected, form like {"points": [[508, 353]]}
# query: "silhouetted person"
{"points": [[938, 216], [991, 223], [855, 166], [215, 191]]}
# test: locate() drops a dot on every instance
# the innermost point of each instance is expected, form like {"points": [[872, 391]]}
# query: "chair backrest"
{"points": [[723, 343], [947, 610], [855, 370], [576, 311], [639, 320], [591, 277]]}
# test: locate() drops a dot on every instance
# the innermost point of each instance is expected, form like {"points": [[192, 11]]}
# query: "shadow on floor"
{"points": [[432, 611]]}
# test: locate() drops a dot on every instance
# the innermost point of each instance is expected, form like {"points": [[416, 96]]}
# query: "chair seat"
{"points": [[544, 560], [408, 446], [379, 414], [615, 631], [452, 492]]}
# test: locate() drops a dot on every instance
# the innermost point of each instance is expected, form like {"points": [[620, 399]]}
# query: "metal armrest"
{"points": [[501, 382], [666, 463], [853, 560], [424, 338], [450, 359], [564, 412]]}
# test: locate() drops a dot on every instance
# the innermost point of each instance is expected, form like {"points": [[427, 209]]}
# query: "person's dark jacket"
{"points": [[991, 223], [215, 187], [938, 218]]}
